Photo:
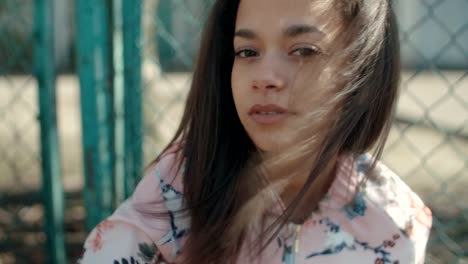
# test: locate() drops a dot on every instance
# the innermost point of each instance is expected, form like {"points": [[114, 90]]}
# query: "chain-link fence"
{"points": [[19, 131], [428, 145], [133, 69], [26, 197]]}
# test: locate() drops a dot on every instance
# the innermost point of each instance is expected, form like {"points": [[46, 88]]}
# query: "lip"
{"points": [[268, 114]]}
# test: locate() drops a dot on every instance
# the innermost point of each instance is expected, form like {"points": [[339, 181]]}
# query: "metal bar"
{"points": [[133, 93], [93, 58], [45, 72], [119, 101]]}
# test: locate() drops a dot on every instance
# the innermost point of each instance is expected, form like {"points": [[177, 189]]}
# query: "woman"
{"points": [[268, 164]]}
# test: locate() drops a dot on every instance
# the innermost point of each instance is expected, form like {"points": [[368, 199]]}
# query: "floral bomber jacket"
{"points": [[385, 222]]}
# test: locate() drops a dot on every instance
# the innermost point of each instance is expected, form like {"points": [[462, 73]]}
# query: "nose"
{"points": [[269, 76]]}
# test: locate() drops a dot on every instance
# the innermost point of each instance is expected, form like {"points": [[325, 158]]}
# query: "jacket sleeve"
{"points": [[119, 242], [146, 228], [407, 209]]}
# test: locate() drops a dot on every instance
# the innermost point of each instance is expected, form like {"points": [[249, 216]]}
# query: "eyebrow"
{"points": [[291, 31], [296, 30], [245, 33]]}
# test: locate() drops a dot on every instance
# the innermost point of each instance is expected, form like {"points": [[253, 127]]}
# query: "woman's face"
{"points": [[281, 69]]}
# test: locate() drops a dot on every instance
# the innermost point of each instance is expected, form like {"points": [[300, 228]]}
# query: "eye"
{"points": [[305, 51], [246, 53]]}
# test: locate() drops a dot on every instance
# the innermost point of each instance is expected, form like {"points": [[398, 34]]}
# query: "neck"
{"points": [[314, 194]]}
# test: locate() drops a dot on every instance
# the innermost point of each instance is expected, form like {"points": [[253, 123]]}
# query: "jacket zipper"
{"points": [[297, 230]]}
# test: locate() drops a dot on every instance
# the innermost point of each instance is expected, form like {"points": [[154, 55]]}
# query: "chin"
{"points": [[269, 145], [272, 140]]}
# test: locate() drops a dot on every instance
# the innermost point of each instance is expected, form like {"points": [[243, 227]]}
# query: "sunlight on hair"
{"points": [[347, 67]]}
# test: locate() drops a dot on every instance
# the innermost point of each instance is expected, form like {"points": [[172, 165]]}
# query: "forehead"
{"points": [[277, 14]]}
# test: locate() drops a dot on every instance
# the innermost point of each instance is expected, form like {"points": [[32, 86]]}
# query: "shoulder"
{"points": [[389, 192], [163, 178], [119, 242], [148, 224]]}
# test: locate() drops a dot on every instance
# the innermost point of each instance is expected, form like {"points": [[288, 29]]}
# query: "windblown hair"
{"points": [[218, 153]]}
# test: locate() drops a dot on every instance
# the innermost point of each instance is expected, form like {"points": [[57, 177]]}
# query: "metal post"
{"points": [[119, 101], [127, 96], [133, 93], [45, 72], [94, 68]]}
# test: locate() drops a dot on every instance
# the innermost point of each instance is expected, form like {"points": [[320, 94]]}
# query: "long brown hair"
{"points": [[217, 149]]}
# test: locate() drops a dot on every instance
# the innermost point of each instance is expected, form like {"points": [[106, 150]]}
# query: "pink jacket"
{"points": [[384, 223]]}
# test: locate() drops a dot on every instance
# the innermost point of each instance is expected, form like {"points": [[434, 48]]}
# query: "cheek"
{"points": [[234, 74], [312, 86], [238, 84]]}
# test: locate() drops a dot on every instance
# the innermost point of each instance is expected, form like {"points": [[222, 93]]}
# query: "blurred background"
{"points": [[92, 90]]}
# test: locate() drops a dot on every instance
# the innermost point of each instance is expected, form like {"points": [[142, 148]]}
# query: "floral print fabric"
{"points": [[382, 221]]}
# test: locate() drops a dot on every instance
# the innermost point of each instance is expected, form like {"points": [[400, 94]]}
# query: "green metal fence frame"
{"points": [[45, 73], [93, 60], [127, 89], [109, 65], [131, 13], [108, 56]]}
